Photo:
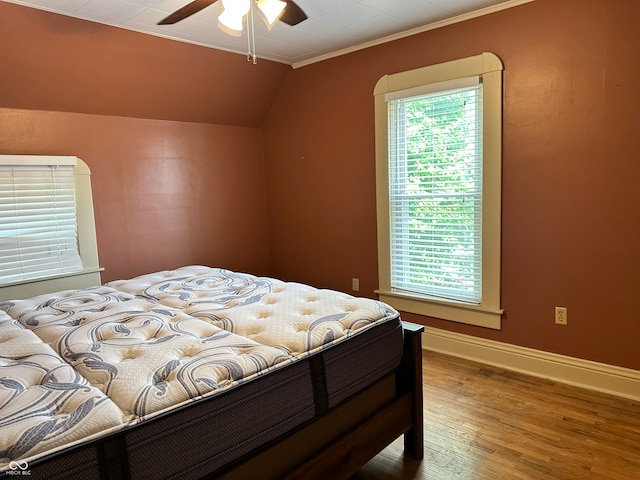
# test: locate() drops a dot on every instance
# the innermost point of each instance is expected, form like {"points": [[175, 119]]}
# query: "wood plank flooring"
{"points": [[486, 423]]}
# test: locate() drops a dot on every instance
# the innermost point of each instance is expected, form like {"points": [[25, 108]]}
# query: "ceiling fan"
{"points": [[292, 14]]}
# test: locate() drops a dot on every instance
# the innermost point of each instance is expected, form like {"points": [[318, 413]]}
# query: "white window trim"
{"points": [[489, 67], [87, 241]]}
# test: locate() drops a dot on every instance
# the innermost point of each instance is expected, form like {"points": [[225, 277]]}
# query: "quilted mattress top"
{"points": [[79, 364]]}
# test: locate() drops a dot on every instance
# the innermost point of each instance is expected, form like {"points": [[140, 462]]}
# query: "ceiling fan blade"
{"points": [[292, 14], [186, 11]]}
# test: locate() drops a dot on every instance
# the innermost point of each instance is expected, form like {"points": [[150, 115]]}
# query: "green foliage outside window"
{"points": [[436, 194]]}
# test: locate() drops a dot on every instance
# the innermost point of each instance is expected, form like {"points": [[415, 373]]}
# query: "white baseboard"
{"points": [[619, 381]]}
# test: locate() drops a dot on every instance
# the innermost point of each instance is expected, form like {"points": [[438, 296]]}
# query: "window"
{"points": [[47, 232], [438, 168]]}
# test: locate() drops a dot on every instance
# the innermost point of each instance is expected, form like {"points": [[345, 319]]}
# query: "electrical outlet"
{"points": [[561, 315], [355, 284]]}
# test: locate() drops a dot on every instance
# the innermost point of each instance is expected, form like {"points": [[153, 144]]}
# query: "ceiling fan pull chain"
{"points": [[251, 37]]}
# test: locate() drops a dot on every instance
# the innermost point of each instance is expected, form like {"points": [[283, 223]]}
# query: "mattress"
{"points": [[179, 373]]}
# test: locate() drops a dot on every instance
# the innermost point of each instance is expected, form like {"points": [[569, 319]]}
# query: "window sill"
{"points": [[37, 286], [477, 315]]}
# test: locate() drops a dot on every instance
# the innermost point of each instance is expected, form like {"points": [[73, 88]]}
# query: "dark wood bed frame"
{"points": [[336, 448]]}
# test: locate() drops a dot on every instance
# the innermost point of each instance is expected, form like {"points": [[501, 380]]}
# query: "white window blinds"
{"points": [[38, 229], [435, 193]]}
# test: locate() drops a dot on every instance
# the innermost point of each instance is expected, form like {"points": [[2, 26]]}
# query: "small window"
{"points": [[47, 232], [438, 156]]}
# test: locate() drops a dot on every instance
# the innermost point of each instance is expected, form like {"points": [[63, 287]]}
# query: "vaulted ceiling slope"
{"points": [[61, 62], [58, 63]]}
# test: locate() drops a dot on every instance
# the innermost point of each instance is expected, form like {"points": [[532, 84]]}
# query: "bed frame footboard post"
{"points": [[410, 379]]}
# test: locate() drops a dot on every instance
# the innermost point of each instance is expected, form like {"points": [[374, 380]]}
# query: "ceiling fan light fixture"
{"points": [[230, 23], [232, 14], [271, 10], [236, 7]]}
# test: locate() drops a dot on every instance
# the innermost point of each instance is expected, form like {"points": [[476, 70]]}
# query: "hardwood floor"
{"points": [[482, 422]]}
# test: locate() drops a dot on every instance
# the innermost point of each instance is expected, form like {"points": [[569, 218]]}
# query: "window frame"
{"points": [[489, 67], [87, 241]]}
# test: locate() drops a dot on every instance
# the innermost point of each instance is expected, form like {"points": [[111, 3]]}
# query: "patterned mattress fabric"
{"points": [[44, 403], [295, 318], [78, 364]]}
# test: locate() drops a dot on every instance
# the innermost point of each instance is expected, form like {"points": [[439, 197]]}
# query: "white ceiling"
{"points": [[333, 26]]}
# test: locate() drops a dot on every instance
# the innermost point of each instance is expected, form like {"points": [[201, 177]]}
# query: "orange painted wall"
{"points": [[571, 210], [165, 193], [199, 157], [170, 132]]}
